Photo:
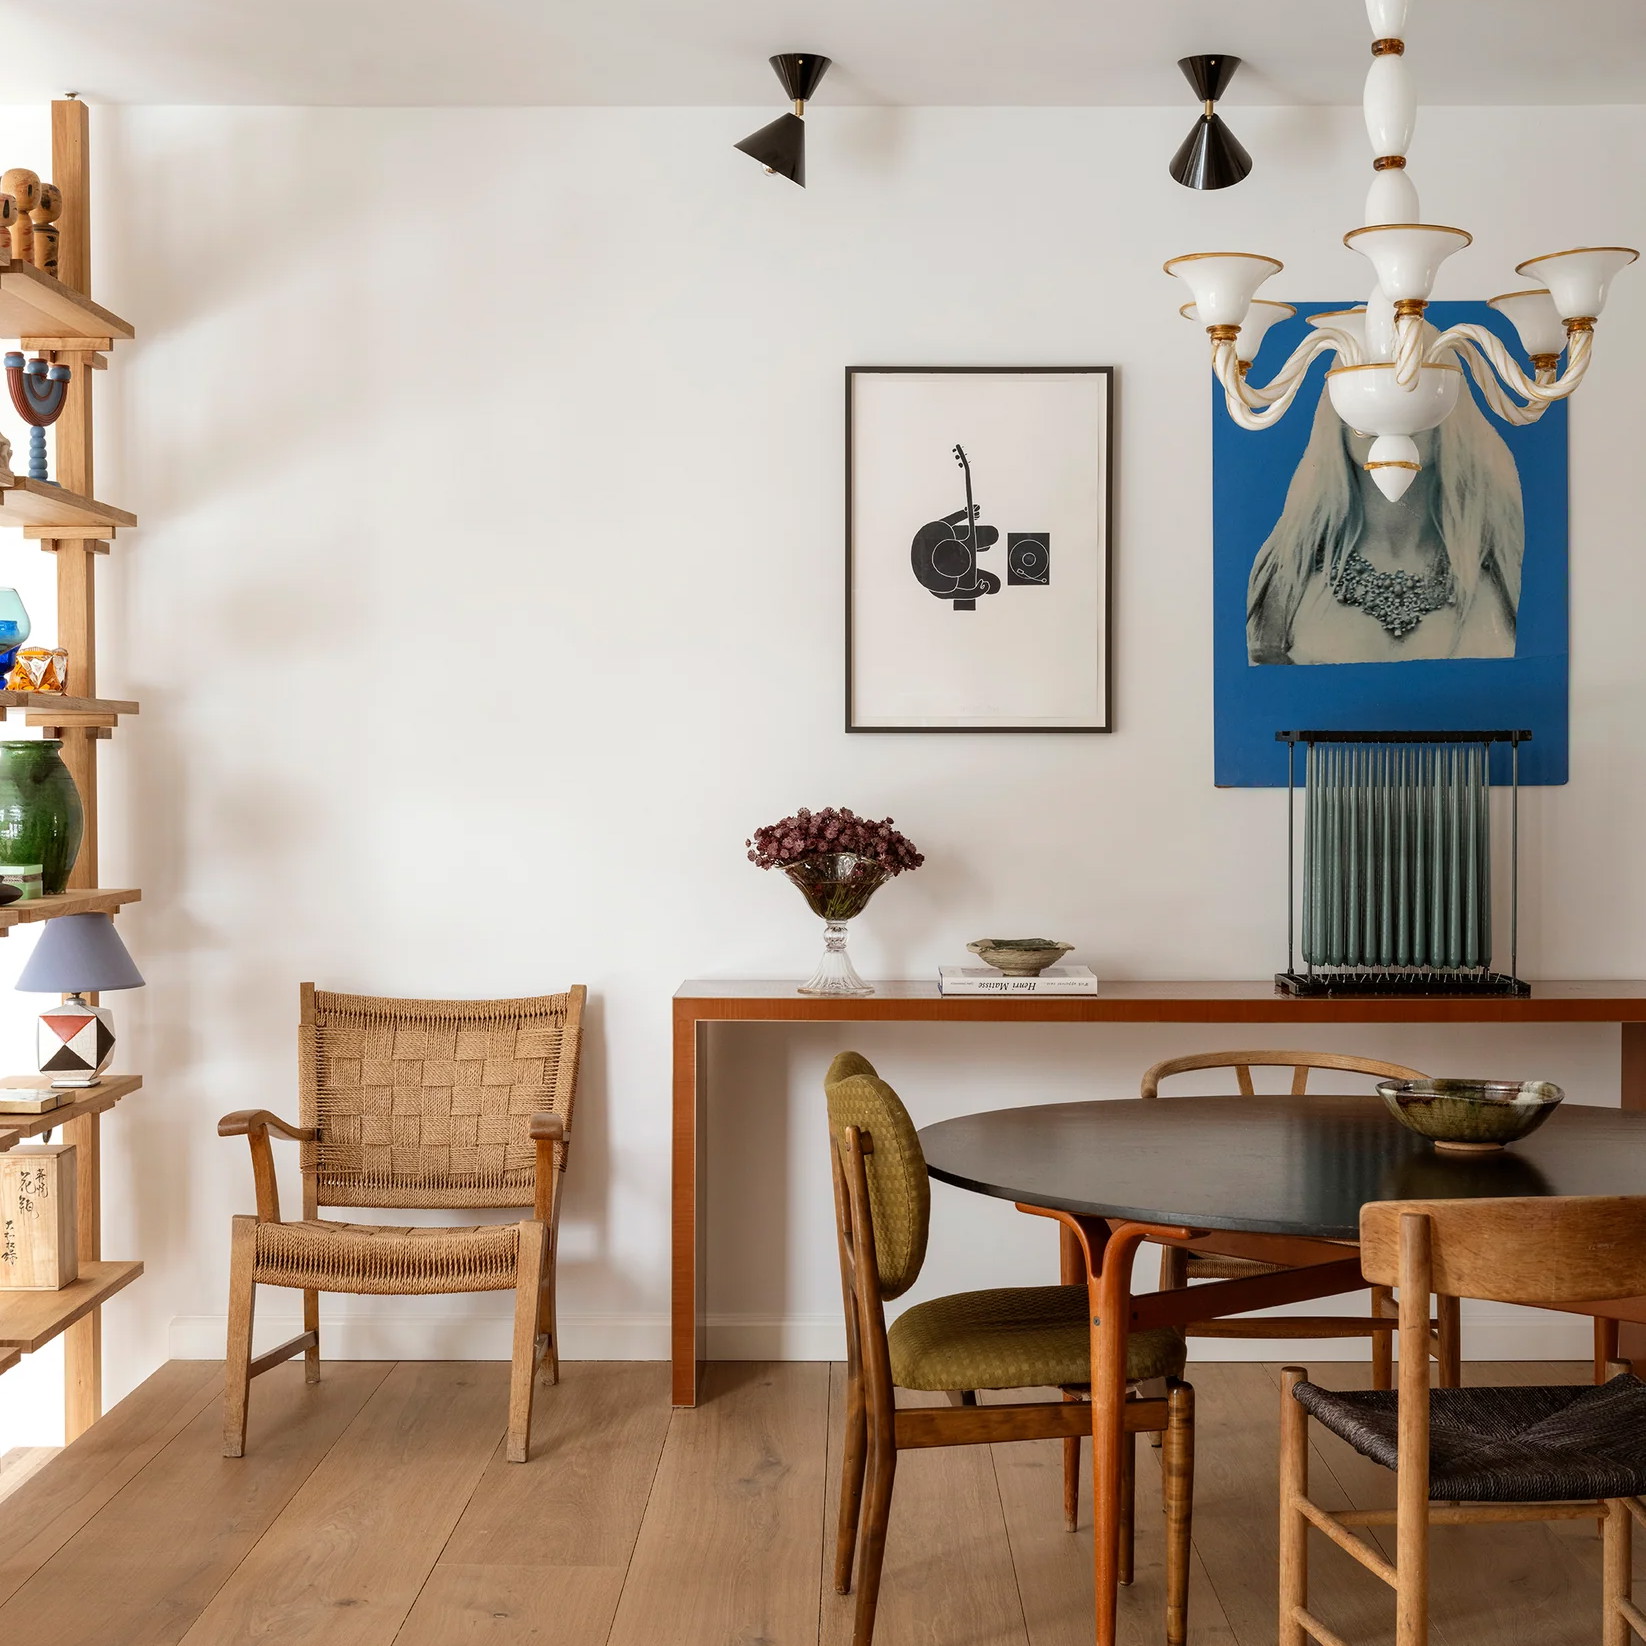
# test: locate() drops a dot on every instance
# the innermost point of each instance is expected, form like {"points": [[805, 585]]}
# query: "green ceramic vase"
{"points": [[41, 820]]}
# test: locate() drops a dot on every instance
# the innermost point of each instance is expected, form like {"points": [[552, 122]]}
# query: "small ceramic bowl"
{"points": [[1019, 956], [1470, 1116]]}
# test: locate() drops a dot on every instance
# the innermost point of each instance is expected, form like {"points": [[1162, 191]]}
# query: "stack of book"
{"points": [[986, 980]]}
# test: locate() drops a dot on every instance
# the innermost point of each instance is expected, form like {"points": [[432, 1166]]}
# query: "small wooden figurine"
{"points": [[44, 218], [23, 186], [8, 216]]}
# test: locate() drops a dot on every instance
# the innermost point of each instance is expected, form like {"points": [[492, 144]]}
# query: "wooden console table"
{"points": [[700, 1003]]}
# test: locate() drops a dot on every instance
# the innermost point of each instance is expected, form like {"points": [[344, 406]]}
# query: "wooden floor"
{"points": [[378, 1508]]}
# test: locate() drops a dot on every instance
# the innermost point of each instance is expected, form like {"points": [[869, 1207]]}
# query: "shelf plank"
{"points": [[28, 1319], [97, 901], [40, 504], [33, 304], [9, 1358], [18, 1128], [64, 703]]}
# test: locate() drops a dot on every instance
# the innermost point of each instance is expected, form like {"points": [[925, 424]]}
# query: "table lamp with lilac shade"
{"points": [[77, 955]]}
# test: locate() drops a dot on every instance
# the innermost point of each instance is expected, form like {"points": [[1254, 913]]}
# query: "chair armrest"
{"points": [[243, 1122], [548, 1128]]}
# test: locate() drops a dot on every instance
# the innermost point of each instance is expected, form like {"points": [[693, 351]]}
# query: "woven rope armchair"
{"points": [[413, 1103]]}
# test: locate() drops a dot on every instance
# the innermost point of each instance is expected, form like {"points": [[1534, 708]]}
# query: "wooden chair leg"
{"points": [[1615, 1578], [548, 1327], [237, 1354], [528, 1285], [872, 1553], [1449, 1349], [1071, 1483], [1178, 1489], [311, 1323], [854, 1458], [1605, 1348], [1383, 1349], [1128, 1506], [1294, 1529]]}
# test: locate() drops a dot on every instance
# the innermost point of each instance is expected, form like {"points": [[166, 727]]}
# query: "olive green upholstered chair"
{"points": [[1178, 1267], [1014, 1338]]}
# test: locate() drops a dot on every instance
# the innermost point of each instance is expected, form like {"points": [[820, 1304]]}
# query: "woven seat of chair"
{"points": [[1019, 1337], [1506, 1445], [371, 1257], [1206, 1266]]}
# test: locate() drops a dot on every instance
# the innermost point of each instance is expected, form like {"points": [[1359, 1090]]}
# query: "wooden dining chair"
{"points": [[1012, 1338], [1178, 1266], [413, 1103], [1463, 1456]]}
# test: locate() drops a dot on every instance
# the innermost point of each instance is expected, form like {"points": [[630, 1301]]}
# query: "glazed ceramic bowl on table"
{"points": [[1470, 1116], [1019, 956]]}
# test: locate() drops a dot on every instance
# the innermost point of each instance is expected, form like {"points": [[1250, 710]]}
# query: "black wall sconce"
{"points": [[781, 146], [1211, 156]]}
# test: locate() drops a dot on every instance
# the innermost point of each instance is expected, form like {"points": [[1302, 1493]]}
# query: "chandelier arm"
{"points": [[1578, 354], [1279, 392], [1496, 395], [1408, 349]]}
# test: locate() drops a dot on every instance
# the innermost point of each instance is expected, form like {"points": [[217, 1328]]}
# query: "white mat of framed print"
{"points": [[977, 548]]}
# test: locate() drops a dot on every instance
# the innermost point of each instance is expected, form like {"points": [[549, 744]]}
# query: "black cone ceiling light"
{"points": [[1211, 156], [781, 146]]}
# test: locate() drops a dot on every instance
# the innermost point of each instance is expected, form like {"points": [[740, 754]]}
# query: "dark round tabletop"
{"points": [[1269, 1165]]}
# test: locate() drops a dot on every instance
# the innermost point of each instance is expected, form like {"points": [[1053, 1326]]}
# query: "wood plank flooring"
{"points": [[377, 1510]]}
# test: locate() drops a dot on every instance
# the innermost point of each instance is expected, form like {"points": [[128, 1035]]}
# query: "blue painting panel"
{"points": [[1301, 604]]}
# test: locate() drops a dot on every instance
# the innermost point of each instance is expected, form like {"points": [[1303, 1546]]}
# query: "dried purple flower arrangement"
{"points": [[838, 861]]}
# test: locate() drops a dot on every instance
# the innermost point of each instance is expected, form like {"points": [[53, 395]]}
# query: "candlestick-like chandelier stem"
{"points": [[1409, 374]]}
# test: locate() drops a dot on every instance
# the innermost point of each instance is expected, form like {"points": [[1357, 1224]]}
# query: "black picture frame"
{"points": [[1103, 635]]}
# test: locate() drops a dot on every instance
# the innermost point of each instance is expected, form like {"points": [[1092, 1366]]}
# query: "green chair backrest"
{"points": [[900, 1196]]}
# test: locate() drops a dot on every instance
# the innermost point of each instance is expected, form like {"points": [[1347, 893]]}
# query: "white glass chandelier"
{"points": [[1396, 375]]}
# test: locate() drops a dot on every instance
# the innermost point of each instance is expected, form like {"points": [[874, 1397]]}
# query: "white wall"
{"points": [[489, 593]]}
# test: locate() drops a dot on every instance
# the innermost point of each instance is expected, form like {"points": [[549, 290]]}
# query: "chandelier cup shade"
{"points": [[1351, 322], [1579, 281], [1371, 400], [1211, 156], [1260, 316], [1535, 318], [1406, 257], [1223, 283], [781, 146]]}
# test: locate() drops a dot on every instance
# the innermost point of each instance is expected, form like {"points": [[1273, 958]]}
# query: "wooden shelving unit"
{"points": [[39, 310], [30, 1319], [55, 511], [19, 1128], [86, 900], [59, 318]]}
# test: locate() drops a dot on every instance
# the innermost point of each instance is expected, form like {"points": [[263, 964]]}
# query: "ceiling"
{"points": [[970, 53]]}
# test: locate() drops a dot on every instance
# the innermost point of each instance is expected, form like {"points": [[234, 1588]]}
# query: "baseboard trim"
{"points": [[1491, 1331]]}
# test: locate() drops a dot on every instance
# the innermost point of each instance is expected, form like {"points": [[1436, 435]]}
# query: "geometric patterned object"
{"points": [[75, 1043]]}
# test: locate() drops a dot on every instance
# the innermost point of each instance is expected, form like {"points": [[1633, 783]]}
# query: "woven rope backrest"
{"points": [[900, 1196], [428, 1102], [1530, 1249], [1298, 1062]]}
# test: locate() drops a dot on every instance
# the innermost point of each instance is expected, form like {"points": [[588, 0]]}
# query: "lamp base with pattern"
{"points": [[76, 1042]]}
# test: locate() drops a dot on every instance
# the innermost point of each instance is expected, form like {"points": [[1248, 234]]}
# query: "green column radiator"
{"points": [[1396, 888]]}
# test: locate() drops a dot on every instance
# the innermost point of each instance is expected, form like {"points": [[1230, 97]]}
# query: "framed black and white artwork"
{"points": [[978, 511]]}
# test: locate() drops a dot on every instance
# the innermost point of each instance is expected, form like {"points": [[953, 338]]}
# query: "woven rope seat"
{"points": [[1022, 1337], [1506, 1445], [371, 1257]]}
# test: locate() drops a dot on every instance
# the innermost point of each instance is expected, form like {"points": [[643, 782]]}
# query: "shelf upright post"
{"points": [[77, 631]]}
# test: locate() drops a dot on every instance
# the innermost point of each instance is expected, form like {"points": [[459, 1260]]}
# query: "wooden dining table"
{"points": [[1281, 1179]]}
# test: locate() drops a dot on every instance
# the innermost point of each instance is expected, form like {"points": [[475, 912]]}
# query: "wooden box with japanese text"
{"points": [[39, 1249]]}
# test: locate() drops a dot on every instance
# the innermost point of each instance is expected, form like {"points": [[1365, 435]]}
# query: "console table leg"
{"points": [[686, 1326], [1631, 1338]]}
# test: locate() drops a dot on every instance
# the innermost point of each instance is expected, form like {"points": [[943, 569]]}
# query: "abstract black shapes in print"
{"points": [[1029, 558], [944, 553]]}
